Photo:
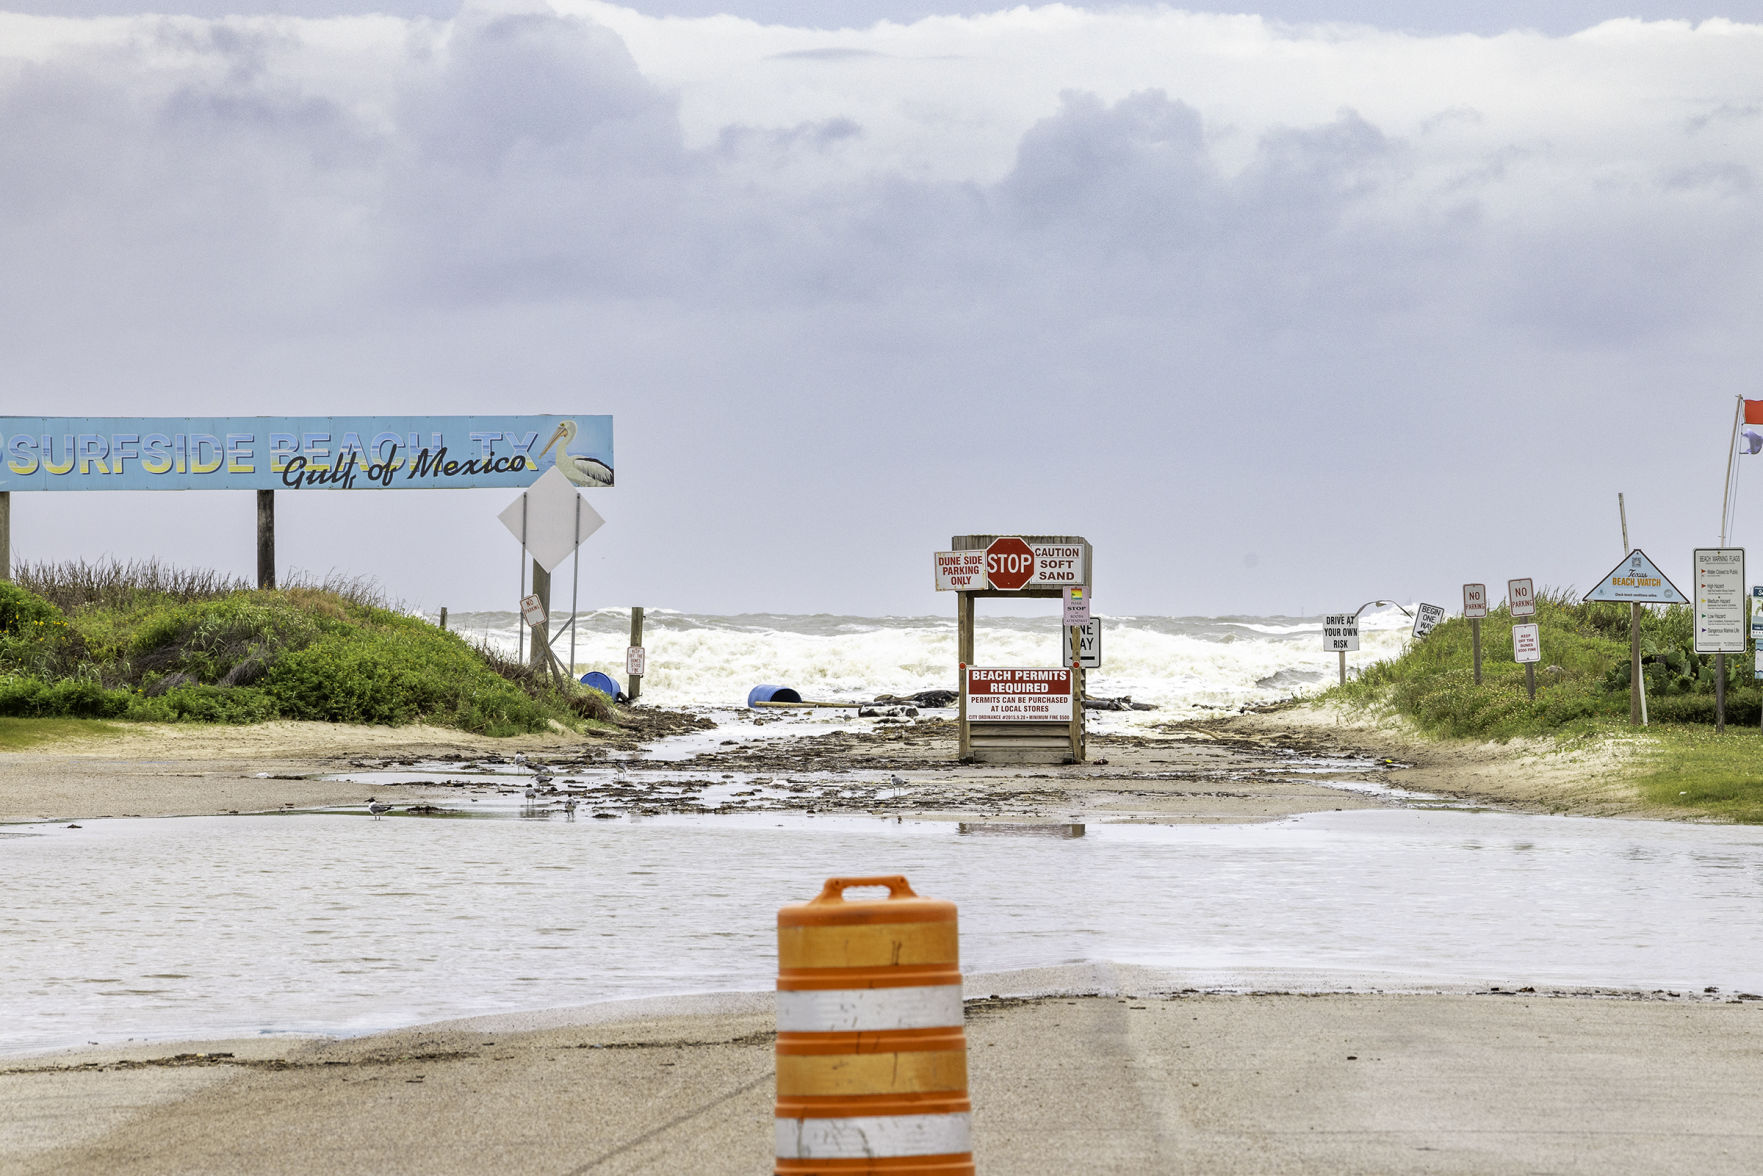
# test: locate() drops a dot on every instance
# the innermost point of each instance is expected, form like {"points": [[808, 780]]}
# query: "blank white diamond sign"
{"points": [[550, 518]]}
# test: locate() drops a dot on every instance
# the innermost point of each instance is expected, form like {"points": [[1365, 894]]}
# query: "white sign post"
{"points": [[1475, 610], [1089, 644], [1521, 599], [1340, 633], [1527, 647], [551, 520], [1720, 614], [1426, 619], [1637, 581], [961, 571]]}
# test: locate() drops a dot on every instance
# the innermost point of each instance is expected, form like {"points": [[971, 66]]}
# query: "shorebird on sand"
{"points": [[375, 808]]}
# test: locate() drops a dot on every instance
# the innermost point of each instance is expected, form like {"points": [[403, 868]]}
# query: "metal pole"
{"points": [[1530, 679], [1475, 640], [1343, 654], [575, 583], [636, 680], [1720, 694], [520, 624], [266, 538], [1732, 444], [1637, 685]]}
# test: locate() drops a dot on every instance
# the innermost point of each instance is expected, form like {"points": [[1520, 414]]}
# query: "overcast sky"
{"points": [[1281, 314]]}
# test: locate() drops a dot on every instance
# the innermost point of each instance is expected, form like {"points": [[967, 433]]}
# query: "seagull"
{"points": [[583, 471], [569, 809], [375, 808], [542, 777]]}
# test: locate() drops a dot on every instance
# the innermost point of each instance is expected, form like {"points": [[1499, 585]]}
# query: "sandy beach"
{"points": [[1131, 1082]]}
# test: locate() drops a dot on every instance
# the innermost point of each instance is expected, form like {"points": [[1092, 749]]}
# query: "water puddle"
{"points": [[338, 923]]}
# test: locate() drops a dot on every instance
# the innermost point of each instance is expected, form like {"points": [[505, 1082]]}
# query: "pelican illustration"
{"points": [[583, 471]]}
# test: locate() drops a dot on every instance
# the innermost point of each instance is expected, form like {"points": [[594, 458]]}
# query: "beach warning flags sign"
{"points": [[1637, 581]]}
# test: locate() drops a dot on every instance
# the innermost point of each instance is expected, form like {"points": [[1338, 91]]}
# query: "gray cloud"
{"points": [[1323, 345]]}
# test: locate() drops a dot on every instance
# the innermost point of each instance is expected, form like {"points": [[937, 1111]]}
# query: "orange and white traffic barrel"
{"points": [[871, 1055]]}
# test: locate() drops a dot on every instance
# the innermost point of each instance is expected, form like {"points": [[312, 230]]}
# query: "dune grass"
{"points": [[149, 643]]}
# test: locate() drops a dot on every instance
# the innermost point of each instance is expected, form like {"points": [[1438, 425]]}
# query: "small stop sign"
{"points": [[1010, 563]]}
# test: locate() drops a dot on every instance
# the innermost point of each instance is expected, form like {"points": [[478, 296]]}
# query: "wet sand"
{"points": [[1367, 1084], [1257, 766]]}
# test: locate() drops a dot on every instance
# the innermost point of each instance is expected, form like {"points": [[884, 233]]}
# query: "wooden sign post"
{"points": [[1475, 609]]}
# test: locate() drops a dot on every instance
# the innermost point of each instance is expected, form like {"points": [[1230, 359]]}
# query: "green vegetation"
{"points": [[1720, 776], [143, 642], [1581, 681], [16, 734]]}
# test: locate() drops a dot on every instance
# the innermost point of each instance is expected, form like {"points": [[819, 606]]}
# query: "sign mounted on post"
{"points": [[1636, 581], [961, 571], [532, 611], [1018, 695], [1527, 644], [1077, 606], [635, 657], [1340, 632], [1521, 598], [1089, 644], [1720, 600], [295, 453], [550, 519], [1012, 564], [1475, 602], [1426, 619]]}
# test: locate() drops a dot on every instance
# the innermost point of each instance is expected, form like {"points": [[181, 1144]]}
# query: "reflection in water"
{"points": [[336, 923]]}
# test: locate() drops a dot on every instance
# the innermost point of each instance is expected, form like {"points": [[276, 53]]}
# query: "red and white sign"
{"points": [[1520, 598], [1527, 644], [1010, 564], [1013, 563], [635, 658], [1059, 565], [961, 571], [1018, 696], [531, 611], [1475, 601]]}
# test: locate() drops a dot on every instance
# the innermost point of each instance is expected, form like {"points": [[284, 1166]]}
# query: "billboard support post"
{"points": [[266, 538]]}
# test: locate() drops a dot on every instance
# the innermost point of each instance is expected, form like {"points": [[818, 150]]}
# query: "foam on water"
{"points": [[1182, 665]]}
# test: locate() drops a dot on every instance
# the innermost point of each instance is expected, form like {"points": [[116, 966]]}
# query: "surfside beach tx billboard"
{"points": [[300, 453]]}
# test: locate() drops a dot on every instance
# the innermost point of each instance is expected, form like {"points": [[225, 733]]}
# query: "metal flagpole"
{"points": [[1732, 444]]}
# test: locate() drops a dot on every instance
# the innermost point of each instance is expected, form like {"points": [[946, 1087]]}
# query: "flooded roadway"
{"points": [[335, 923]]}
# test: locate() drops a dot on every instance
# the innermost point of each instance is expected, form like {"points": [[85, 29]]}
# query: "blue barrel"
{"points": [[772, 694], [604, 684]]}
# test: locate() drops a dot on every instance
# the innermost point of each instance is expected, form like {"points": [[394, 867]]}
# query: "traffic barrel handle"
{"points": [[834, 890]]}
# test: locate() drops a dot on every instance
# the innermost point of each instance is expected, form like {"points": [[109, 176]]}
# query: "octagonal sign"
{"points": [[1010, 563]]}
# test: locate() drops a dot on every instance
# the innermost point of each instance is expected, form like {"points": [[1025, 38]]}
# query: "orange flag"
{"points": [[1754, 412]]}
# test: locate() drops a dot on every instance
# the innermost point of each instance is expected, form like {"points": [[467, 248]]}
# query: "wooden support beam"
{"points": [[5, 536], [634, 688], [539, 657], [265, 538]]}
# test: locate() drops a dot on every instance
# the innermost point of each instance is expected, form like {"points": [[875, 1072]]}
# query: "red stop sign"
{"points": [[1009, 563]]}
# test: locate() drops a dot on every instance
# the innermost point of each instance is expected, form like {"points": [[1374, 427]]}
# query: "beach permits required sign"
{"points": [[1426, 618], [1521, 598], [1527, 644], [1018, 696], [1340, 632], [961, 571], [1475, 602], [1636, 581], [1720, 600]]}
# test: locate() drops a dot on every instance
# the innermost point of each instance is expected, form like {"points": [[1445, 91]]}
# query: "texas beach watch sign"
{"points": [[294, 453]]}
